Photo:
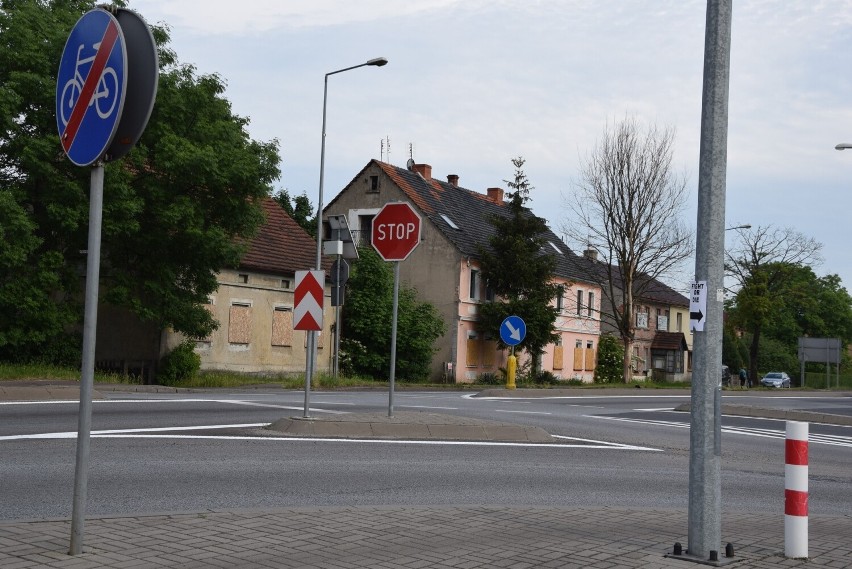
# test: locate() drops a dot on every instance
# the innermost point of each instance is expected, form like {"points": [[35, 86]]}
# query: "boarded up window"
{"points": [[489, 351], [282, 327], [239, 325], [472, 357], [558, 356], [590, 359], [579, 356]]}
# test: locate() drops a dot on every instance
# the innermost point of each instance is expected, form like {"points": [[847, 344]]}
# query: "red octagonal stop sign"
{"points": [[396, 231]]}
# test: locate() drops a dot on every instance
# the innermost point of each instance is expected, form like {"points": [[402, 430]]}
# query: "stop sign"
{"points": [[396, 231]]}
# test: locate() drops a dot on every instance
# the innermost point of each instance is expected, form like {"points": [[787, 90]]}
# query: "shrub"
{"points": [[181, 364], [610, 360], [490, 378]]}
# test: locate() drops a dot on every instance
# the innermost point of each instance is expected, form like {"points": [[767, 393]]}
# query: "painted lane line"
{"points": [[288, 407], [73, 434], [606, 444], [427, 407], [149, 401], [522, 412], [376, 441], [829, 440]]}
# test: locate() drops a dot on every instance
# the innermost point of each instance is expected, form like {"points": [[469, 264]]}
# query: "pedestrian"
{"points": [[744, 378]]}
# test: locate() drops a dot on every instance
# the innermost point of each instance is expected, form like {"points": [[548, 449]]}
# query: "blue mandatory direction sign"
{"points": [[513, 330], [91, 86]]}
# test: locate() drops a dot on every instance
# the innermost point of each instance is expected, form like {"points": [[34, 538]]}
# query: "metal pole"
{"points": [[705, 524], [87, 376], [393, 336], [336, 363], [310, 365]]}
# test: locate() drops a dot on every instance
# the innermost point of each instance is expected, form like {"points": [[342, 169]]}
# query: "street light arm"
{"points": [[377, 62]]}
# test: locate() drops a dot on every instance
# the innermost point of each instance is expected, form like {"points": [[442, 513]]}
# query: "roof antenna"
{"points": [[410, 163], [382, 151], [387, 138]]}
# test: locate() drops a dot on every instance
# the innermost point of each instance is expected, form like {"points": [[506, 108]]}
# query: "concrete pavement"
{"points": [[461, 537]]}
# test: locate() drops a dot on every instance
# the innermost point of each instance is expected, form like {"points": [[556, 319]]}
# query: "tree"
{"points": [[300, 209], [515, 268], [176, 209], [627, 206], [366, 323], [764, 264]]}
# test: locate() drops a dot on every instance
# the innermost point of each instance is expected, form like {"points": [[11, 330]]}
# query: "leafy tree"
{"points": [[610, 358], [367, 317], [627, 206], [300, 209], [518, 272], [766, 264], [175, 209]]}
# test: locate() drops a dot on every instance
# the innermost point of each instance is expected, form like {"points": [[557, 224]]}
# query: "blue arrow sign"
{"points": [[91, 86], [513, 330]]}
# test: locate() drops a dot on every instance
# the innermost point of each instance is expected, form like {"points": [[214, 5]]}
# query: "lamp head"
{"points": [[378, 62]]}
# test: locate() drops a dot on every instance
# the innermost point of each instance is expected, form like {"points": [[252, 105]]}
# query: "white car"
{"points": [[775, 379]]}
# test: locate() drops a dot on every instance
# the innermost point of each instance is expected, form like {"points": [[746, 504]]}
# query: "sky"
{"points": [[472, 84]]}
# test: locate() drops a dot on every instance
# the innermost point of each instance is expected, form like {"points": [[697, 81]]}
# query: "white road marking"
{"points": [[426, 407], [522, 412], [815, 438], [225, 401]]}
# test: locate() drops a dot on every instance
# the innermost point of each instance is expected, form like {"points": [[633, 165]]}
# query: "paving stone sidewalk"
{"points": [[412, 538]]}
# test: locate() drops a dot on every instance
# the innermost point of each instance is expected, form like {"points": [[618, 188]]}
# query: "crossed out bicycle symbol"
{"points": [[106, 93]]}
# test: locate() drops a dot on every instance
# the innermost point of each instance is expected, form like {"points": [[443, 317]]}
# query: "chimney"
{"points": [[496, 195], [424, 170], [591, 254], [453, 179]]}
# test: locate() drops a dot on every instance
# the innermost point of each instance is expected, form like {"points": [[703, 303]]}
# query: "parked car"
{"points": [[775, 379], [726, 376]]}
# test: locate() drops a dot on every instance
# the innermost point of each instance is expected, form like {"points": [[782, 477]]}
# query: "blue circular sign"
{"points": [[513, 330], [91, 86]]}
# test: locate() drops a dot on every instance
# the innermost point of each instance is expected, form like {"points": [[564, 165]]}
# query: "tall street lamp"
{"points": [[312, 337]]}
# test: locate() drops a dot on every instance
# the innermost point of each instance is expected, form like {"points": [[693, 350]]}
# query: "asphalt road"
{"points": [[625, 451]]}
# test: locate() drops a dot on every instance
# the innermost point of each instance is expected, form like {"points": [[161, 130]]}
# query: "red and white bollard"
{"points": [[796, 490]]}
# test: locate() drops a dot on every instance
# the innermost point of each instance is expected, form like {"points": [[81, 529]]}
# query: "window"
{"points": [[679, 320], [365, 230], [489, 294], [374, 184], [662, 319], [474, 284], [591, 306], [242, 278], [449, 221], [285, 284], [282, 326], [641, 318], [239, 323], [472, 359], [579, 302], [560, 294], [578, 344]]}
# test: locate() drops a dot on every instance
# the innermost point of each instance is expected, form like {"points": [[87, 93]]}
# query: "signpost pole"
{"points": [[393, 337], [705, 524], [90, 324]]}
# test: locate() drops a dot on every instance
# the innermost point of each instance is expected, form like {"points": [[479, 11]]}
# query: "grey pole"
{"points": [[705, 525], [87, 376], [312, 341], [393, 337]]}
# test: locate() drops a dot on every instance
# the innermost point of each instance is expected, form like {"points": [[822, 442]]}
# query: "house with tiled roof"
{"points": [[662, 346], [253, 305], [445, 269]]}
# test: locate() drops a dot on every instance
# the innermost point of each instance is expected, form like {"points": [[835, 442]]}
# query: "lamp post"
{"points": [[312, 336]]}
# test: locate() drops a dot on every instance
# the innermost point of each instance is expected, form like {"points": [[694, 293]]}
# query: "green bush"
{"points": [[490, 378], [181, 364], [609, 368]]}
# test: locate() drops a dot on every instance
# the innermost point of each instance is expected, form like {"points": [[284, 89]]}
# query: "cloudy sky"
{"points": [[471, 84]]}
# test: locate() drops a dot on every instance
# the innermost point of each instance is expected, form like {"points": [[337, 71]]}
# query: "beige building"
{"points": [[253, 305], [445, 270]]}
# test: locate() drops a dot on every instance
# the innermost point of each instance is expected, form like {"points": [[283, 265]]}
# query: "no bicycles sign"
{"points": [[106, 85]]}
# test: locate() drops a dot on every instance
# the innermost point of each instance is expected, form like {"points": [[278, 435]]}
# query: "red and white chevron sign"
{"points": [[307, 314]]}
